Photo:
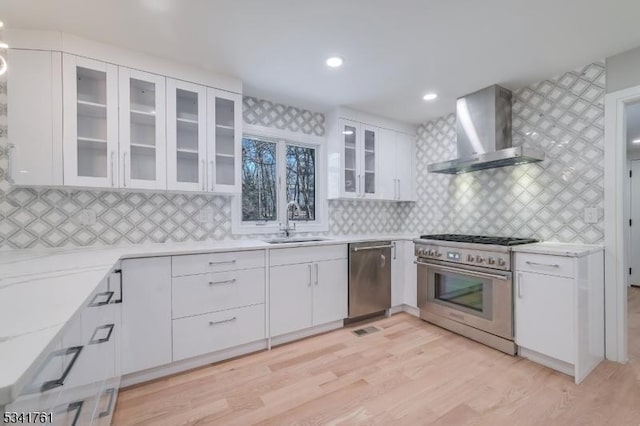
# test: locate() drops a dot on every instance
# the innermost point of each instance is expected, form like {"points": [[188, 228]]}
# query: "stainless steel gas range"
{"points": [[465, 284]]}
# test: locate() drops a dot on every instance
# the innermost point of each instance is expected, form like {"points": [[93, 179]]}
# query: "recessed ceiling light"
{"points": [[335, 61], [635, 141], [430, 96]]}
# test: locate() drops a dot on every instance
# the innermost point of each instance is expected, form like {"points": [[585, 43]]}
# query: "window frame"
{"points": [[283, 138]]}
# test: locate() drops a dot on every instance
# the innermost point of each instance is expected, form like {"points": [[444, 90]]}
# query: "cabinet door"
{"points": [[146, 313], [405, 166], [143, 142], [224, 145], [397, 273], [350, 135], [186, 136], [370, 156], [544, 315], [290, 298], [90, 122], [330, 291], [388, 181], [410, 275], [34, 92]]}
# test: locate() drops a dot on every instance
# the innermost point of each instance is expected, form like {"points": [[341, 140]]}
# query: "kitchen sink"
{"points": [[285, 240]]}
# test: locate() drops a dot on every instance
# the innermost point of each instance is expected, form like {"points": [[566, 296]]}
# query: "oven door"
{"points": [[478, 297]]}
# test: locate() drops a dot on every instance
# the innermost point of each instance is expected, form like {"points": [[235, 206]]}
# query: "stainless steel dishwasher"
{"points": [[369, 278]]}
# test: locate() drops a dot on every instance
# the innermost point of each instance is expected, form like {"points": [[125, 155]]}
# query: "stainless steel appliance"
{"points": [[484, 134], [465, 285], [369, 278]]}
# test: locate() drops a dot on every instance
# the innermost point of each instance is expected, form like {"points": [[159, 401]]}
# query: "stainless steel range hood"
{"points": [[484, 134]]}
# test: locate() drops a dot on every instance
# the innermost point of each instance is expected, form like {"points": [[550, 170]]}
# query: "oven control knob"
{"points": [[470, 258], [501, 262], [438, 254], [491, 261], [432, 253], [479, 259], [420, 251]]}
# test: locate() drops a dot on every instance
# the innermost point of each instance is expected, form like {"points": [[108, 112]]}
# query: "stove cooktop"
{"points": [[479, 239]]}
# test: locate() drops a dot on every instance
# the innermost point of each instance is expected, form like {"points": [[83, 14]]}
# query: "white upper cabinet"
{"points": [[186, 136], [224, 141], [405, 167], [368, 175], [368, 158], [90, 124], [34, 92], [143, 142]]}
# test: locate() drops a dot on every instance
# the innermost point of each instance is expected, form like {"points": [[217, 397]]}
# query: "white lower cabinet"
{"points": [[330, 291], [410, 276], [544, 312], [559, 311], [71, 378], [146, 313], [290, 298], [397, 273], [303, 295], [201, 334]]}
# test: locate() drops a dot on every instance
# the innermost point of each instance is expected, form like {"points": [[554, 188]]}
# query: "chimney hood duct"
{"points": [[484, 134]]}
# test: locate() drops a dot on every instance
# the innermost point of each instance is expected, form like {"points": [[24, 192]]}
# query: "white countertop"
{"points": [[559, 249], [42, 289]]}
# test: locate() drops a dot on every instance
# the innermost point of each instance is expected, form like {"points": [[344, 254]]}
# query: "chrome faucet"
{"points": [[287, 227]]}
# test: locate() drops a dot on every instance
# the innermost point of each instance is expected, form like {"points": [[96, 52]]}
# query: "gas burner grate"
{"points": [[479, 239]]}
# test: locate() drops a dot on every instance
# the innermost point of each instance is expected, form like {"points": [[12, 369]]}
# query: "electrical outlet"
{"points": [[206, 215], [87, 217], [591, 215]]}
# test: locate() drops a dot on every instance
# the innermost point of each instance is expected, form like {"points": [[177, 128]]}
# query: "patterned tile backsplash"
{"points": [[563, 116]]}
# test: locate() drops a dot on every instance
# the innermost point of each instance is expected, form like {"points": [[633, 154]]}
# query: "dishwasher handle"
{"points": [[356, 249]]}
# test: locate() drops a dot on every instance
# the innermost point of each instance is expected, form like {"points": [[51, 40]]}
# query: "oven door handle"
{"points": [[468, 272]]}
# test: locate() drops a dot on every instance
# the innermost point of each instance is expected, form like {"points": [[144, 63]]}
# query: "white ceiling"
{"points": [[394, 50]]}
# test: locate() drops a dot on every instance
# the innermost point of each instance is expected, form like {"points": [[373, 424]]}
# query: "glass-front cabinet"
{"points": [[142, 130], [224, 141], [360, 145], [186, 136], [90, 122]]}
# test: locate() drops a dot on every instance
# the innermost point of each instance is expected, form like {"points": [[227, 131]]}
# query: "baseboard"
{"points": [[547, 361], [191, 363], [412, 310], [301, 334]]}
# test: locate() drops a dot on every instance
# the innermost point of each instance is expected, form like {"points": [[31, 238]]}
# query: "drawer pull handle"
{"points": [[95, 302], [111, 392], [551, 265], [51, 384], [222, 262], [76, 406], [222, 321], [222, 282], [94, 341]]}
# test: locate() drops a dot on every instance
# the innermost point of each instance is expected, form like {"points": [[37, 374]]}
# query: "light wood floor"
{"points": [[408, 373]]}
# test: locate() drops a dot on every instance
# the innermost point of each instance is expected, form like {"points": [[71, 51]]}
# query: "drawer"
{"points": [[207, 333], [216, 262], [289, 256], [200, 294], [545, 264]]}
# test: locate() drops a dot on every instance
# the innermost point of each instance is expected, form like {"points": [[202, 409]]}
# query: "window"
{"points": [[301, 180], [275, 171], [259, 177]]}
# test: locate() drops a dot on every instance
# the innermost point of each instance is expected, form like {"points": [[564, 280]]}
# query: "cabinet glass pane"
{"points": [[369, 162], [143, 129], [187, 136], [225, 141], [92, 122], [349, 135]]}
